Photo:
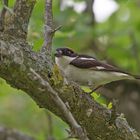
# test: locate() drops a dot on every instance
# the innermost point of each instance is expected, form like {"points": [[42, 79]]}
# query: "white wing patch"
{"points": [[100, 68], [121, 74], [84, 58]]}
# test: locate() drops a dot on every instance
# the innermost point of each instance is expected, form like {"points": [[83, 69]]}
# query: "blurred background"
{"points": [[106, 29]]}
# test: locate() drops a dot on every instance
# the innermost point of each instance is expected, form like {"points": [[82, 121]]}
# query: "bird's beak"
{"points": [[58, 53]]}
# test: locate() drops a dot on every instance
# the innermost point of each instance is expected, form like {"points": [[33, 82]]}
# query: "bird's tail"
{"points": [[136, 77]]}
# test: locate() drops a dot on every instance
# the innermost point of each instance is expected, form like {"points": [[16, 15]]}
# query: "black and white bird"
{"points": [[87, 70]]}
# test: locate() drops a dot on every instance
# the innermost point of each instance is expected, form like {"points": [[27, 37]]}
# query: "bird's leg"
{"points": [[114, 114], [93, 90]]}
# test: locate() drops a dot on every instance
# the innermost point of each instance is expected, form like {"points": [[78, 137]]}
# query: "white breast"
{"points": [[63, 61]]}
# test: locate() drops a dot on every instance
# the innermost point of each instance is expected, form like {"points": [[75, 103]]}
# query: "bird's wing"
{"points": [[94, 64]]}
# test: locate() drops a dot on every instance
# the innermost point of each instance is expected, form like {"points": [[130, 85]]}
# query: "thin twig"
{"points": [[58, 28], [2, 14], [49, 28], [79, 132], [9, 9]]}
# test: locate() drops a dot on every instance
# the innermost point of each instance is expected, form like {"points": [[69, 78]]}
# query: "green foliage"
{"points": [[19, 111]]}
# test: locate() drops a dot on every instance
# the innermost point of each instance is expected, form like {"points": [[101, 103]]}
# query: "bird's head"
{"points": [[65, 52], [64, 56]]}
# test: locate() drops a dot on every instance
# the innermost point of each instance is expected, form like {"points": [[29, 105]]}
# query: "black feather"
{"points": [[93, 64]]}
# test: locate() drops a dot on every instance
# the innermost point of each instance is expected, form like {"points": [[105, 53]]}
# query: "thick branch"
{"points": [[16, 63], [2, 15], [62, 107], [17, 23]]}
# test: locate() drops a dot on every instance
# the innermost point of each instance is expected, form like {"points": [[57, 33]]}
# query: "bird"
{"points": [[87, 70]]}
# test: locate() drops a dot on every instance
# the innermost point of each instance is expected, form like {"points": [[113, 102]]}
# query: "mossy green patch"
{"points": [[56, 79]]}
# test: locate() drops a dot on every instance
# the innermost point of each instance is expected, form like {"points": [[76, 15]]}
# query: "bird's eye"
{"points": [[69, 52]]}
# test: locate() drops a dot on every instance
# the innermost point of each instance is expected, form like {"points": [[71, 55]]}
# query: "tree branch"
{"points": [[90, 12], [2, 15], [13, 134], [78, 131], [17, 23], [49, 29]]}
